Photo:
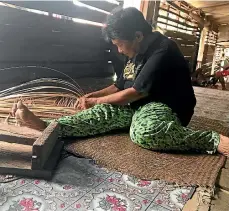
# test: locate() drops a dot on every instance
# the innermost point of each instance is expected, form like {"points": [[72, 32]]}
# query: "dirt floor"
{"points": [[221, 200]]}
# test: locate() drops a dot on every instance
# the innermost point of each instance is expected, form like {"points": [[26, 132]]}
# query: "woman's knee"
{"points": [[156, 136], [144, 137]]}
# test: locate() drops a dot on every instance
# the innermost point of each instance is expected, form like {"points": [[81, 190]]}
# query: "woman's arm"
{"points": [[90, 99], [123, 97], [103, 92]]}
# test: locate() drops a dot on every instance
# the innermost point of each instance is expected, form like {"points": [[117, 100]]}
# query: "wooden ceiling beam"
{"points": [[221, 10], [213, 9], [201, 4], [197, 18], [223, 19], [215, 6]]}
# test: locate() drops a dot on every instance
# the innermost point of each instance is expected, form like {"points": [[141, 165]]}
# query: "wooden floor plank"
{"points": [[15, 155]]}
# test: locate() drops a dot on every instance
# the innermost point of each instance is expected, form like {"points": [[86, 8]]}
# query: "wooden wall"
{"points": [[176, 23], [209, 50], [223, 35], [28, 38]]}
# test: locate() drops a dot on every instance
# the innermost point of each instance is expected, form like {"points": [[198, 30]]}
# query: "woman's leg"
{"points": [[27, 118], [99, 119], [155, 127]]}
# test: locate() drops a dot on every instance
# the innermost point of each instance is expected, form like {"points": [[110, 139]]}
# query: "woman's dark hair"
{"points": [[123, 23]]}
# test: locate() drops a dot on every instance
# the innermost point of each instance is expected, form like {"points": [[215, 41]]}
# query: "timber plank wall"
{"points": [[52, 39]]}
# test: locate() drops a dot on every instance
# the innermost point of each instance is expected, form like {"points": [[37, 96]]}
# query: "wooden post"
{"points": [[203, 49], [213, 62], [144, 8], [150, 10], [202, 45]]}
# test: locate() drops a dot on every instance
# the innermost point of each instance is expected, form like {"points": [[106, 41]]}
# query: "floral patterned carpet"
{"points": [[79, 184]]}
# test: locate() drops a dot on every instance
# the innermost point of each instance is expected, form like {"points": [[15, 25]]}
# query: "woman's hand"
{"points": [[85, 102], [89, 95]]}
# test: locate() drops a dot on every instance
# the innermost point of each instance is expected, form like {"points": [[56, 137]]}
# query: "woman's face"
{"points": [[129, 48]]}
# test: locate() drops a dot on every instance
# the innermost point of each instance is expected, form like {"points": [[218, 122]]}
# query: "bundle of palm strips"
{"points": [[48, 98]]}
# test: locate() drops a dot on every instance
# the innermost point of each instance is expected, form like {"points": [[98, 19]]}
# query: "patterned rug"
{"points": [[79, 184], [8, 178]]}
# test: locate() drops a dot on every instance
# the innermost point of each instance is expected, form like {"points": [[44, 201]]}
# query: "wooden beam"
{"points": [[183, 42], [177, 7], [215, 6], [17, 134], [217, 9], [16, 160], [213, 63], [178, 15], [197, 18], [180, 35], [156, 11], [202, 45], [144, 8], [202, 4], [176, 21], [192, 30], [17, 139]]}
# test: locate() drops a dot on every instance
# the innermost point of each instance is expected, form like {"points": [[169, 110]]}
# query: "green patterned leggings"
{"points": [[153, 126]]}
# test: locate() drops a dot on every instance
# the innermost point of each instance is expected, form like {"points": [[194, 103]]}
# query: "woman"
{"points": [[153, 96]]}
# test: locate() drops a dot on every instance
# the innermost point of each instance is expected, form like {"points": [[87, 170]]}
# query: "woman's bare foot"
{"points": [[223, 147], [26, 118]]}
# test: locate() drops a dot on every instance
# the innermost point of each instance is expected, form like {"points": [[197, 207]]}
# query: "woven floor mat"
{"points": [[117, 152], [203, 123]]}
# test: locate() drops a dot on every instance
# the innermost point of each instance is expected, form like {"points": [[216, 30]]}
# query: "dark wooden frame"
{"points": [[46, 151]]}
